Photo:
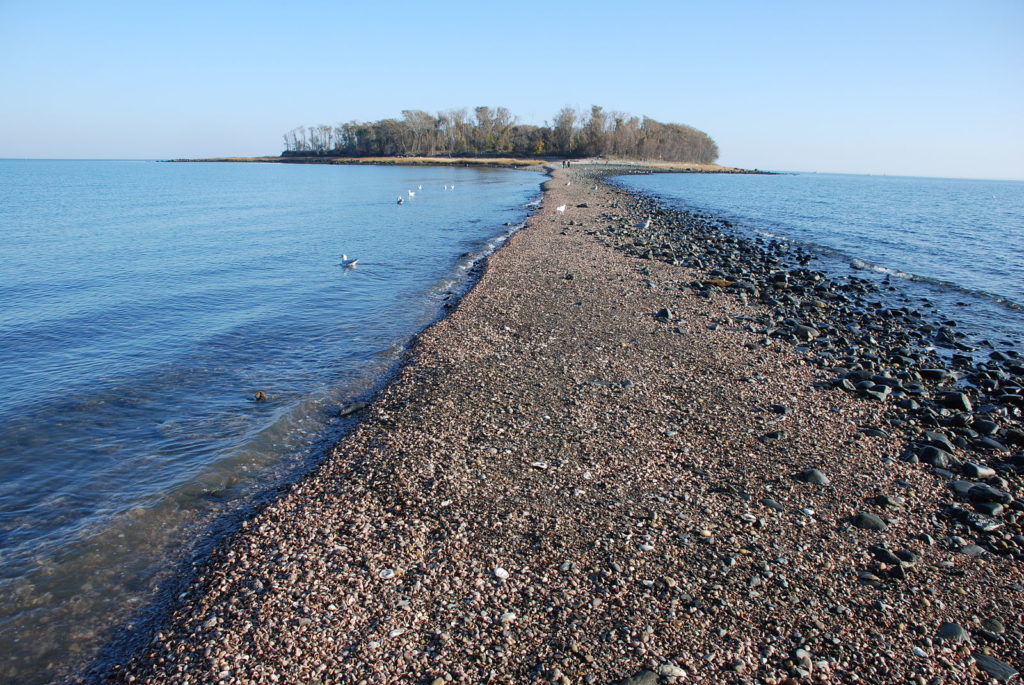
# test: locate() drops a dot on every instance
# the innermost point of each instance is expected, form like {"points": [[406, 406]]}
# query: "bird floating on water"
{"points": [[348, 263], [644, 224], [401, 199], [412, 193], [560, 208], [419, 187]]}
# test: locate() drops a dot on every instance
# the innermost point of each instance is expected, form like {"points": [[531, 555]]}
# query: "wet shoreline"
{"points": [[605, 462]]}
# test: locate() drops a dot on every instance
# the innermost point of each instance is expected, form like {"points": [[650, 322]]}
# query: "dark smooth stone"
{"points": [[972, 470], [994, 667], [952, 632], [813, 476], [884, 555], [938, 458], [987, 493], [907, 556], [994, 625], [961, 487], [973, 550], [869, 522]]}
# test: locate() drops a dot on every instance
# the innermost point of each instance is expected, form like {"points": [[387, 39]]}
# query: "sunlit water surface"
{"points": [[142, 307]]}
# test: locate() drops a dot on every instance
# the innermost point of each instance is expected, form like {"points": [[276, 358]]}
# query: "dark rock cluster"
{"points": [[959, 411]]}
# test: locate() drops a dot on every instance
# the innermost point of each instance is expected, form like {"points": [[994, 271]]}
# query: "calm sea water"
{"points": [[142, 306], [957, 243]]}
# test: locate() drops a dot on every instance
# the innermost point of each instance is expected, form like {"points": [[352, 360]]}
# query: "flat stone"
{"points": [[994, 625], [957, 400], [973, 550], [670, 671], [806, 332], [940, 440], [907, 556], [813, 476], [869, 522], [972, 470], [939, 458], [952, 632], [884, 555], [994, 667], [961, 487], [987, 493]]}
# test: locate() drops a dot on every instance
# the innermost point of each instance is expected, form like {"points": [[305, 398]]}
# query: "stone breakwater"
{"points": [[643, 454]]}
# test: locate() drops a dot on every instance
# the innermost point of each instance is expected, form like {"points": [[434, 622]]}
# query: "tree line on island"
{"points": [[496, 132]]}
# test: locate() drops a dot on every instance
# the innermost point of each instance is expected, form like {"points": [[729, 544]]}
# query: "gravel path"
{"points": [[562, 486]]}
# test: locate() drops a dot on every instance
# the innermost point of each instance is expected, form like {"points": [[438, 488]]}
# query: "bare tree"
{"points": [[495, 131]]}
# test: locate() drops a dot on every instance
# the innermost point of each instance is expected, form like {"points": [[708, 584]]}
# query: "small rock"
{"points": [[868, 522], [973, 550], [958, 401], [972, 470], [670, 671], [500, 573], [987, 493], [813, 476], [352, 408], [952, 632], [993, 625]]}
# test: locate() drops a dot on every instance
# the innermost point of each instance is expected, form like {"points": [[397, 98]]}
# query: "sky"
{"points": [[929, 88]]}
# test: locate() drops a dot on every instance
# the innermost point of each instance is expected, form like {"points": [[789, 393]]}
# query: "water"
{"points": [[142, 306], [957, 243]]}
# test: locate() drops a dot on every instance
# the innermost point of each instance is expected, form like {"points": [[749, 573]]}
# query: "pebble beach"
{"points": [[619, 460]]}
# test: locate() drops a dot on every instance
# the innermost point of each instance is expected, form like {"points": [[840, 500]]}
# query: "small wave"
{"points": [[863, 265]]}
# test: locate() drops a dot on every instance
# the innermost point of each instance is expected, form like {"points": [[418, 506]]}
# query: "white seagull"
{"points": [[644, 224], [411, 193], [560, 208], [419, 187], [348, 263], [568, 183]]}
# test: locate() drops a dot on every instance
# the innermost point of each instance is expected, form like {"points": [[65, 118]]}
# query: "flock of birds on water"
{"points": [[349, 263]]}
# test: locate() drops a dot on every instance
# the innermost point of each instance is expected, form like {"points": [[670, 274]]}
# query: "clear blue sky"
{"points": [[921, 88]]}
